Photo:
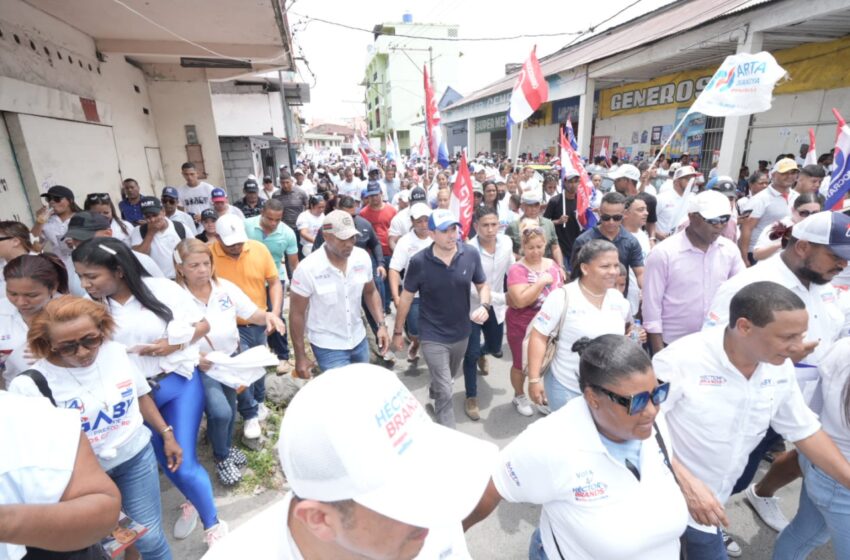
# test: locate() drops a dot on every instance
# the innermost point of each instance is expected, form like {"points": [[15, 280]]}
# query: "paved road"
{"points": [[505, 534]]}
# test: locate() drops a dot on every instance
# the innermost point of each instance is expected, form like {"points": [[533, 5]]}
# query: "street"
{"points": [[505, 534]]}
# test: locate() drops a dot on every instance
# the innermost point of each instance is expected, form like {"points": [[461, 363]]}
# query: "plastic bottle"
{"points": [[635, 334]]}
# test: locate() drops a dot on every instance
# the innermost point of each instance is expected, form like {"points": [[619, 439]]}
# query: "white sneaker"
{"points": [[523, 405], [733, 549], [389, 356], [187, 521], [767, 509], [262, 412], [251, 429], [215, 533]]}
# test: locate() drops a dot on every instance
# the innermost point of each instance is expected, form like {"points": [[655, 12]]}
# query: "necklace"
{"points": [[86, 389], [581, 285]]}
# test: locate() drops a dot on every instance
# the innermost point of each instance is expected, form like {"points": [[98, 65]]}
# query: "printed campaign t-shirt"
{"points": [[106, 394], [195, 200]]}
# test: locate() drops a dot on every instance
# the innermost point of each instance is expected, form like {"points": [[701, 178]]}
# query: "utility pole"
{"points": [[286, 118]]}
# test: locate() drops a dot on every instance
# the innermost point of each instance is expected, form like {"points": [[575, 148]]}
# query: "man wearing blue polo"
{"points": [[443, 274]]}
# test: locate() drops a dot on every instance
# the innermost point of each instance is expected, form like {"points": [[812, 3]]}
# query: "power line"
{"points": [[449, 39]]}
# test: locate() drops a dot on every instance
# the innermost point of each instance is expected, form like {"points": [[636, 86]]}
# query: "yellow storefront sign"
{"points": [[811, 66]]}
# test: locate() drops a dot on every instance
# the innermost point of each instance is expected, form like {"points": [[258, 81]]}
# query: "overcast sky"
{"points": [[338, 56]]}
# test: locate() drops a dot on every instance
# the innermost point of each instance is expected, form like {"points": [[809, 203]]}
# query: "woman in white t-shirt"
{"points": [[596, 464], [309, 222], [159, 324], [221, 302], [101, 203], [15, 240], [31, 282], [595, 307], [823, 513], [86, 371]]}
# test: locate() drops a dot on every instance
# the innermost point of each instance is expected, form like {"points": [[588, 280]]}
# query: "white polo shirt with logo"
{"points": [[267, 535], [561, 463], [333, 315], [717, 416], [825, 316], [227, 301]]}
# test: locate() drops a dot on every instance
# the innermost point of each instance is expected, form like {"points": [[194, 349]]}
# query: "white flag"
{"points": [[741, 86]]}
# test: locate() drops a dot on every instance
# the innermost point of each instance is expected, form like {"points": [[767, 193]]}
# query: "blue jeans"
{"points": [[277, 342], [704, 546], [137, 479], [328, 358], [252, 397], [221, 415], [535, 547], [181, 403], [556, 393], [823, 514], [412, 321], [493, 332]]}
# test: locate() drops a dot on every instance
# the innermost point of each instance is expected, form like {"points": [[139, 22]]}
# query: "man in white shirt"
{"points": [[302, 181], [332, 280], [221, 206], [401, 224], [497, 256], [727, 387], [368, 481], [195, 194], [768, 206], [157, 237], [670, 209], [268, 190], [350, 184], [170, 199]]}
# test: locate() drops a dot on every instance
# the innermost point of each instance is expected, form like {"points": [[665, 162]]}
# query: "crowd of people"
{"points": [[660, 351]]}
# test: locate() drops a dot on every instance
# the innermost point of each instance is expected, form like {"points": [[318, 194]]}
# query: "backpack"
{"points": [[181, 230]]}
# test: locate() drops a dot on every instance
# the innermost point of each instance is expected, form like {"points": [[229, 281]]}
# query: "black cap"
{"points": [[83, 225], [268, 179], [150, 205], [250, 186], [60, 191], [418, 195], [209, 214]]}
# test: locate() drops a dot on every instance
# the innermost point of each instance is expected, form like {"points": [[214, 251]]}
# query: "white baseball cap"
{"points": [[419, 210], [709, 205], [626, 170], [378, 447], [685, 171], [826, 228], [231, 229]]}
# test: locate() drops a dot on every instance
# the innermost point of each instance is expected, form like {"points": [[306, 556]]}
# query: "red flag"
{"points": [[364, 155], [432, 124], [530, 90], [461, 203], [811, 155], [569, 158]]}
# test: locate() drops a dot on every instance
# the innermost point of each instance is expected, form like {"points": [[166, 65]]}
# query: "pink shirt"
{"points": [[518, 273], [680, 281]]}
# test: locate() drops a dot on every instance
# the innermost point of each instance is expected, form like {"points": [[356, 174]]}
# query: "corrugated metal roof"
{"points": [[667, 21]]}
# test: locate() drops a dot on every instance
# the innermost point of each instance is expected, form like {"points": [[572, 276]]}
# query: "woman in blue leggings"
{"points": [[159, 325]]}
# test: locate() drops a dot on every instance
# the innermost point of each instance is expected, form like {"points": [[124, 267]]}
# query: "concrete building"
{"points": [[630, 85], [395, 95], [253, 137], [93, 92], [329, 139]]}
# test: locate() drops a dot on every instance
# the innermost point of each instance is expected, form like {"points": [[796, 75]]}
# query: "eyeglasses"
{"points": [[71, 348], [636, 403], [718, 221], [99, 197], [609, 217], [55, 198]]}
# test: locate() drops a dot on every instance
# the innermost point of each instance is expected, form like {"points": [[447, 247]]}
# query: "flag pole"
{"points": [[518, 143], [672, 134]]}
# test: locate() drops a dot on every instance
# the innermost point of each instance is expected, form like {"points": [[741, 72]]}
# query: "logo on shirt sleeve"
{"points": [[510, 470]]}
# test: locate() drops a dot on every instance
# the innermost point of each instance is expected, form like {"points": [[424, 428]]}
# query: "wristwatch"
{"points": [[488, 306]]}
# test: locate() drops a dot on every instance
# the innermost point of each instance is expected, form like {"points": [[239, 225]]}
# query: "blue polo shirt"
{"points": [[131, 212], [444, 292]]}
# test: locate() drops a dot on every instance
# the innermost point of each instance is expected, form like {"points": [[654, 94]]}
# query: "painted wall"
{"points": [[248, 114]]}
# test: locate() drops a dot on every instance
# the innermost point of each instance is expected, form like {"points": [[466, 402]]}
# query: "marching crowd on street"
{"points": [[660, 352]]}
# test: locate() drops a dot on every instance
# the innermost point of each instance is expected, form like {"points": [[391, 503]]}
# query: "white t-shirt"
{"points": [[583, 319], [767, 207], [496, 266], [235, 211], [137, 325], [38, 449], [306, 220], [106, 396], [188, 223], [561, 463], [407, 246], [227, 301], [400, 224], [195, 200], [764, 239], [118, 233], [53, 232], [634, 289], [13, 338], [717, 416], [353, 189], [834, 370], [333, 316], [669, 204], [162, 247], [267, 535]]}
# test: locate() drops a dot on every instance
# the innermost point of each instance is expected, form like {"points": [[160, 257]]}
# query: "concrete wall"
{"points": [[248, 114], [180, 98], [238, 163]]}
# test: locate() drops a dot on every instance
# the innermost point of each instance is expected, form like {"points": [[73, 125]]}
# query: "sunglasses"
{"points": [[168, 200], [71, 348], [609, 217], [806, 213], [636, 403], [100, 197], [527, 232], [718, 221], [55, 198]]}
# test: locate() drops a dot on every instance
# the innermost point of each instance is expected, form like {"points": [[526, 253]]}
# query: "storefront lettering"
{"points": [[659, 95]]}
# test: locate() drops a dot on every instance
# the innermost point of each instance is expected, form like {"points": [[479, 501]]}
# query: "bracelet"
{"points": [[166, 429], [398, 333], [382, 327], [535, 380]]}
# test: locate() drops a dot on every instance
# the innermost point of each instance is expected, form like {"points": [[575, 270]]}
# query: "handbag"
{"points": [[551, 340]]}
